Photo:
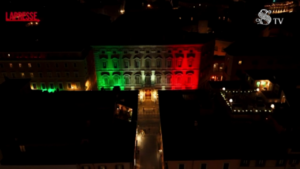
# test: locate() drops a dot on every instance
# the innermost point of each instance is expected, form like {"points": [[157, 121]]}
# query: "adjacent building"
{"points": [[260, 54], [197, 139], [63, 67], [86, 130]]}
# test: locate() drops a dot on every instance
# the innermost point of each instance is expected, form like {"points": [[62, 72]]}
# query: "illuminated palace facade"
{"points": [[49, 71], [162, 67]]}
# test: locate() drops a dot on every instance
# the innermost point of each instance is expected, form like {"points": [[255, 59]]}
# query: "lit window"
{"points": [[10, 65], [179, 17], [192, 18], [31, 75], [22, 74], [240, 62], [33, 86], [8, 55], [199, 4], [22, 148], [20, 65], [29, 65]]}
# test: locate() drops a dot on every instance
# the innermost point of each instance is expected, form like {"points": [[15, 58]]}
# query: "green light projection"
{"points": [[111, 75]]}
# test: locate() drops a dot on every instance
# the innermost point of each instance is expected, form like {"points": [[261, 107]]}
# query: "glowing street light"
{"points": [[257, 89], [230, 100], [148, 5], [272, 106], [223, 88], [122, 11]]}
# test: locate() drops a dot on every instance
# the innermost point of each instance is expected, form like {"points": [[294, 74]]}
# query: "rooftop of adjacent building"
{"points": [[215, 136], [264, 47], [67, 127]]}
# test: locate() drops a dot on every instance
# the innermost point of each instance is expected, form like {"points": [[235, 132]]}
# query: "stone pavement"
{"points": [[149, 121]]}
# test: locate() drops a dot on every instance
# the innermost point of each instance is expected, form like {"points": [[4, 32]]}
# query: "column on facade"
{"points": [[153, 77], [143, 76]]}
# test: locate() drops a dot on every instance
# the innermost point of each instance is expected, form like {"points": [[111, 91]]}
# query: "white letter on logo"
{"points": [[280, 21]]}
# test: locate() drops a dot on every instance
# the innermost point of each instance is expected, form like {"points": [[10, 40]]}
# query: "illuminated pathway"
{"points": [[149, 144]]}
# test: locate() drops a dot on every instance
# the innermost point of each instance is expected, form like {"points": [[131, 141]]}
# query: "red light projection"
{"points": [[185, 67], [21, 17]]}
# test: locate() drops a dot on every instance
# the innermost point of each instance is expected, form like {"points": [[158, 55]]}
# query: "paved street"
{"points": [[149, 122]]}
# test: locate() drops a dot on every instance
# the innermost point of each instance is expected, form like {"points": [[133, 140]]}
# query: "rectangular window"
{"points": [[22, 148], [203, 166], [158, 79], [67, 74], [43, 86], [181, 166], [245, 163], [60, 85], [280, 163], [147, 64], [56, 65], [76, 74], [66, 64], [58, 74], [126, 64], [137, 63], [226, 166], [29, 65], [168, 79], [11, 65], [169, 63], [126, 80], [260, 163], [115, 64], [51, 86], [20, 65], [31, 75], [104, 64], [49, 74], [69, 86], [158, 64], [22, 75], [137, 80], [75, 65], [33, 86], [38, 65]]}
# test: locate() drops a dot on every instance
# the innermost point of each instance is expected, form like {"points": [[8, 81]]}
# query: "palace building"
{"points": [[162, 67], [49, 67]]}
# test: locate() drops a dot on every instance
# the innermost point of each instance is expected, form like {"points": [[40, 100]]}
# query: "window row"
{"points": [[147, 63], [61, 86], [244, 163], [138, 80], [119, 166], [40, 75], [147, 51], [29, 65]]}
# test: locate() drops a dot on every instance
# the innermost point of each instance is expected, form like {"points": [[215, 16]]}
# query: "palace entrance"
{"points": [[148, 94]]}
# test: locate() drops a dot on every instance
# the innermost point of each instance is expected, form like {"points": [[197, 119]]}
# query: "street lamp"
{"points": [[148, 5], [230, 100], [122, 11], [223, 88], [257, 89], [272, 106]]}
